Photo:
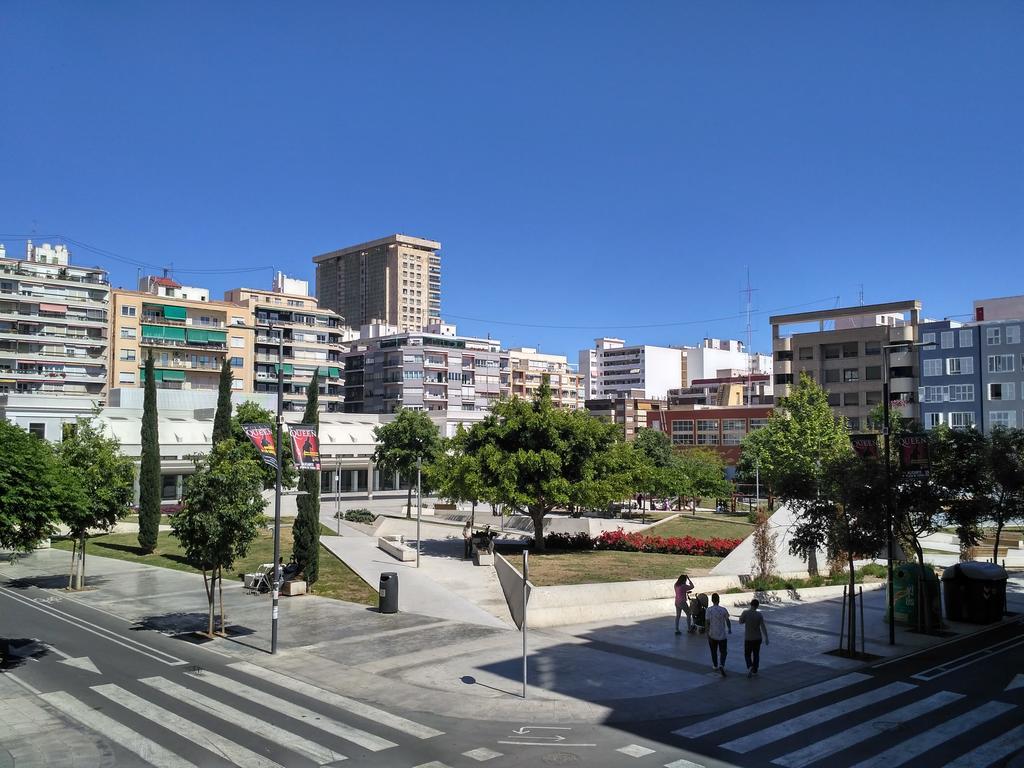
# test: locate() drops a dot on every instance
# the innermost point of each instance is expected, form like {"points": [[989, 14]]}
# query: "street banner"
{"points": [[305, 446], [865, 446], [262, 436], [913, 454]]}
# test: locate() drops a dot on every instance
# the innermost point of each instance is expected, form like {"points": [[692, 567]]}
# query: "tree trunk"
{"points": [[852, 614], [408, 503], [538, 528], [71, 568], [999, 533], [220, 589], [472, 515], [209, 603], [81, 560]]}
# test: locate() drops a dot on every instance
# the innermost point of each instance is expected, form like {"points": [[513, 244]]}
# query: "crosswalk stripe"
{"points": [[748, 713], [315, 719], [815, 717], [940, 734], [994, 750], [396, 722], [683, 764], [197, 734], [120, 734], [251, 724], [855, 735]]}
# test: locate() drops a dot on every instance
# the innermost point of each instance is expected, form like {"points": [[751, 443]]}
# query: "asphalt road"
{"points": [[126, 696]]}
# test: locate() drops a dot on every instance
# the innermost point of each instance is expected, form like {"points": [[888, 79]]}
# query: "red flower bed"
{"points": [[672, 545]]}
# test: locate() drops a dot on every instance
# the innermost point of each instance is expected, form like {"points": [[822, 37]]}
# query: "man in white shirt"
{"points": [[718, 622]]}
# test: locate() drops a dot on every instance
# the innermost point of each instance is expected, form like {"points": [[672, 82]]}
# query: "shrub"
{"points": [[360, 515], [672, 545], [573, 542]]}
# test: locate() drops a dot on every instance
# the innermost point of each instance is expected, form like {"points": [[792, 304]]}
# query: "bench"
{"points": [[396, 547]]}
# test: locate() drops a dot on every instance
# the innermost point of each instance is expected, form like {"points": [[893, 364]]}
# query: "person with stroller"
{"points": [[683, 587]]}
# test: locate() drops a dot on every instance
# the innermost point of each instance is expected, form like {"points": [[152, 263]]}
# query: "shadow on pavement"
{"points": [[57, 581], [14, 652]]}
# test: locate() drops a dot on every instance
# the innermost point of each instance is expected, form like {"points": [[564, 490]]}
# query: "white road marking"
{"points": [[967, 659], [303, 715], [635, 750], [1017, 682], [683, 764], [320, 754], [815, 717], [96, 629], [337, 700], [864, 731], [82, 662], [545, 744], [749, 713], [120, 734], [992, 751], [482, 754], [432, 764], [197, 734], [27, 686], [57, 650], [917, 745]]}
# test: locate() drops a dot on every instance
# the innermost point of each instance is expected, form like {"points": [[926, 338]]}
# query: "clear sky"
{"points": [[586, 164]]}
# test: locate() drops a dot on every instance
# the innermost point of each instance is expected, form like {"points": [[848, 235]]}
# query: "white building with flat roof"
{"points": [[612, 369]]}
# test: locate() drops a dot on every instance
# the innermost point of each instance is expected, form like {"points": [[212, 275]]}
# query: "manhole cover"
{"points": [[560, 758]]}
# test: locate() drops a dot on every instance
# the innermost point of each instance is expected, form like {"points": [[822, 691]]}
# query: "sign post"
{"points": [[526, 578]]}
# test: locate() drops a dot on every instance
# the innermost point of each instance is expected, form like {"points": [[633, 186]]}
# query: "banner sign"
{"points": [[914, 454], [262, 436], [305, 446], [865, 446]]}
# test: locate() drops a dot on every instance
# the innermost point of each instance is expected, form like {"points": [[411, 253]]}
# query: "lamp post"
{"points": [[277, 489], [419, 506], [889, 511]]}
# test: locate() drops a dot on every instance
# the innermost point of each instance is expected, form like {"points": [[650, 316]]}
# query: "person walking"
{"points": [[467, 540], [718, 622], [683, 587], [754, 627]]}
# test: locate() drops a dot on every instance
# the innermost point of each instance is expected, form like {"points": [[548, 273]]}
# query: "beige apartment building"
{"points": [[524, 368], [312, 342], [842, 350], [188, 339], [395, 280]]}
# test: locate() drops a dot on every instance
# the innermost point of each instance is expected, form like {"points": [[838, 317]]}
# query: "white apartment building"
{"points": [[717, 358], [53, 324], [612, 369]]}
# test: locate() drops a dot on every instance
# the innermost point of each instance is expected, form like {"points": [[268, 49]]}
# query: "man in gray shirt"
{"points": [[754, 626]]}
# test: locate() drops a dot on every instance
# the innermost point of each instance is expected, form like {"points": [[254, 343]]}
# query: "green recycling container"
{"points": [[908, 580]]}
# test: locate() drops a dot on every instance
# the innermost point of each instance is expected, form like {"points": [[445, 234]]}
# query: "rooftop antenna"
{"points": [[750, 332]]}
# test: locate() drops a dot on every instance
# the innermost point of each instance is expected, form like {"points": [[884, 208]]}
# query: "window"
{"points": [[933, 394], [872, 347], [38, 429], [833, 398], [966, 339], [806, 353], [832, 376], [127, 333], [237, 342], [682, 432], [927, 338], [872, 398], [932, 420], [127, 311], [126, 378], [783, 379], [707, 431], [873, 373], [932, 367], [947, 339], [236, 362], [831, 351], [851, 398], [851, 374], [1000, 391], [1002, 419], [783, 355], [1000, 363], [733, 431], [961, 420], [127, 354], [993, 336], [961, 393], [758, 424], [169, 487], [1013, 334], [959, 366], [237, 384], [850, 349]]}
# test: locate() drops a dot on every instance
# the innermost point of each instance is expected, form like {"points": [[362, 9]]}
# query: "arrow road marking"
{"points": [[1017, 682], [82, 662], [544, 744], [523, 729]]}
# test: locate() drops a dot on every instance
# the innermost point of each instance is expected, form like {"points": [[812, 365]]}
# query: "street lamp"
{"points": [[888, 476], [419, 506]]}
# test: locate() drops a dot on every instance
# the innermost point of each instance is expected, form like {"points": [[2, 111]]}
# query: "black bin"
{"points": [[388, 602], [975, 592]]}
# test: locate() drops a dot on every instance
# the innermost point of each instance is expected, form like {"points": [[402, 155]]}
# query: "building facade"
{"points": [[633, 412], [1002, 373], [1005, 308], [188, 340], [433, 370], [611, 369], [715, 358], [720, 429], [53, 324], [312, 343], [844, 355], [395, 280], [524, 368], [951, 389], [735, 389]]}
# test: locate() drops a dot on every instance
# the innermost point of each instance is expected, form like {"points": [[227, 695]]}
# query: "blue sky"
{"points": [[596, 165]]}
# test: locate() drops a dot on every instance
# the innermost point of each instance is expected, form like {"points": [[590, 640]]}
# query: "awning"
{"points": [[289, 369], [174, 313], [173, 375], [152, 331], [61, 308], [194, 334], [221, 336], [334, 372], [158, 375], [176, 334]]}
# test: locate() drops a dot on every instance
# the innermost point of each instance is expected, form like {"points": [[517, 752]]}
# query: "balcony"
{"points": [[149, 341], [29, 374], [190, 365]]}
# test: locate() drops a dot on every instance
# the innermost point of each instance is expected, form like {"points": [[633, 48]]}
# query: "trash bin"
{"points": [[388, 593], [908, 581], [975, 592]]}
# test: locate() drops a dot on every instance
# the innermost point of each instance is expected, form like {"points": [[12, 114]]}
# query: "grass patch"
{"points": [[336, 580], [702, 528], [589, 567]]}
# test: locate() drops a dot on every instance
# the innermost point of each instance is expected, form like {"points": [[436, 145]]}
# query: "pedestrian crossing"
{"points": [[224, 719], [857, 718]]}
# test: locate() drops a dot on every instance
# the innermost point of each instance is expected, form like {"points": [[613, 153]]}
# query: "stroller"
{"points": [[699, 610]]}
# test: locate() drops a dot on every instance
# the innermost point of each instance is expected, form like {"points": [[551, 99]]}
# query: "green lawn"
{"points": [[336, 579], [703, 527], [605, 566]]}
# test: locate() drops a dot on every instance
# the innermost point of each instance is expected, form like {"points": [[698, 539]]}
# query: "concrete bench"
{"points": [[293, 587], [395, 547]]}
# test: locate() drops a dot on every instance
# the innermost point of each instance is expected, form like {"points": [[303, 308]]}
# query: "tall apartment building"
{"points": [[188, 339], [53, 324], [395, 280], [846, 358], [432, 370], [611, 369], [312, 342], [524, 368]]}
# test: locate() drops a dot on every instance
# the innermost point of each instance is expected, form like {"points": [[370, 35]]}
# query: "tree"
{"points": [[149, 469], [455, 473], [654, 449], [765, 540], [704, 473], [221, 517], [222, 419], [306, 529], [411, 436], [959, 467], [254, 413], [1006, 467], [104, 476], [32, 488], [536, 458]]}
